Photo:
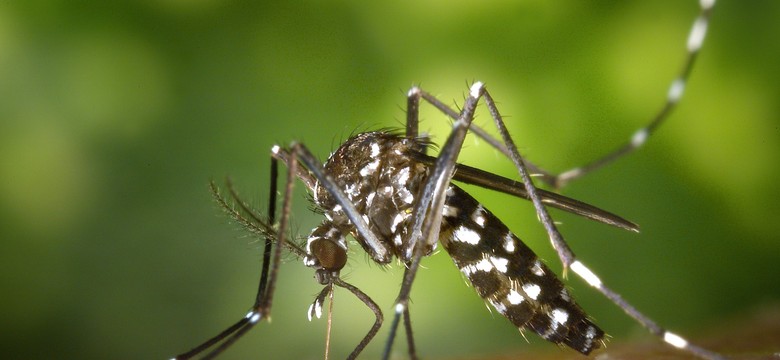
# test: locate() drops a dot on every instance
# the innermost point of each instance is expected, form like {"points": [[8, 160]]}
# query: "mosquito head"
{"points": [[326, 252]]}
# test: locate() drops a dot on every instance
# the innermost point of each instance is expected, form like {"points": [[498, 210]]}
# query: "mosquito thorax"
{"points": [[379, 177]]}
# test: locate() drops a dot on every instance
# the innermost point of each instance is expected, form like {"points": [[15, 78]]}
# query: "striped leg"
{"points": [[695, 40], [676, 89], [567, 256]]}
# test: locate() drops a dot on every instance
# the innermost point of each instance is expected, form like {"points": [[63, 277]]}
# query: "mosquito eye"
{"points": [[330, 255]]}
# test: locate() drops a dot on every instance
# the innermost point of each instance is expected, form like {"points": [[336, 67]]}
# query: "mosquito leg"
{"points": [[413, 112], [668, 337], [391, 336], [210, 342], [292, 169], [426, 213], [264, 272], [409, 335], [567, 256], [263, 303], [694, 43], [372, 306], [495, 143], [560, 246], [676, 89], [271, 218]]}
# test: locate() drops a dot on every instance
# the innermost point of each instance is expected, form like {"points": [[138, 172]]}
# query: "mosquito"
{"points": [[382, 189]]}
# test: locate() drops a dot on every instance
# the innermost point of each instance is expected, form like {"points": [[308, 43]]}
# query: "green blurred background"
{"points": [[115, 115]]}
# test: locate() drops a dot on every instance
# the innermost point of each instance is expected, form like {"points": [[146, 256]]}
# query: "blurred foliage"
{"points": [[115, 115]]}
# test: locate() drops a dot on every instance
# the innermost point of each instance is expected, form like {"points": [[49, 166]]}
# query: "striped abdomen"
{"points": [[508, 274]]}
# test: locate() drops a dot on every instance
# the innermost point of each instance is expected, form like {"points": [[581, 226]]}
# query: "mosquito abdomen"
{"points": [[508, 274]]}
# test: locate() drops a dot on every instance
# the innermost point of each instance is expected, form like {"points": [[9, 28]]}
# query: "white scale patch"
{"points": [[374, 150], [352, 191], [387, 190], [532, 290], [308, 261], [537, 268], [483, 265], [370, 168], [591, 332], [514, 297], [407, 197], [449, 211], [559, 317], [500, 263], [466, 235], [317, 310], [309, 241], [565, 295], [397, 220], [252, 316], [509, 243], [476, 89], [403, 176], [589, 335], [478, 216]]}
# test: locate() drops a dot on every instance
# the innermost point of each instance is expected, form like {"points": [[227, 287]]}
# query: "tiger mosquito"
{"points": [[396, 201]]}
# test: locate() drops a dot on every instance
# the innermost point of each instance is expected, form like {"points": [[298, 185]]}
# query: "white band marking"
{"points": [[675, 340], [591, 278], [476, 89], [676, 90], [399, 308], [639, 137], [696, 37], [707, 4]]}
